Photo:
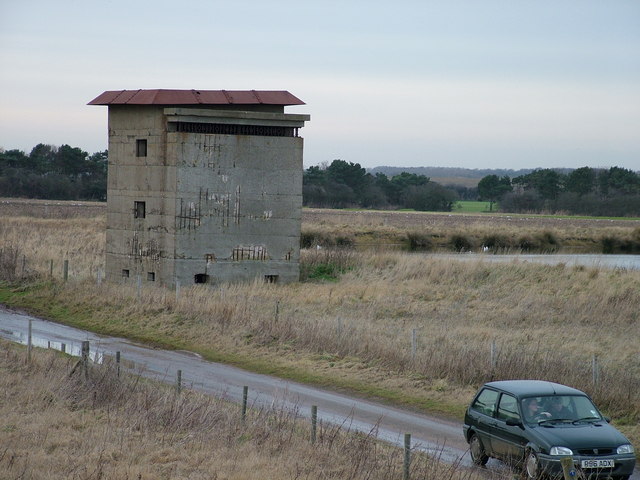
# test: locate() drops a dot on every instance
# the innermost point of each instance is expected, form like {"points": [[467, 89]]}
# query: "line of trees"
{"points": [[583, 191], [345, 184], [57, 173], [69, 173]]}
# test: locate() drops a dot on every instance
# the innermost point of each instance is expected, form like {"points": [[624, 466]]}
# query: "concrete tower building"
{"points": [[203, 186]]}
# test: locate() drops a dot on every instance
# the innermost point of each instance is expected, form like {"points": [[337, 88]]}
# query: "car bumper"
{"points": [[623, 465]]}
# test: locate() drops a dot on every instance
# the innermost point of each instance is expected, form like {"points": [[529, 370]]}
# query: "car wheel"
{"points": [[532, 466], [478, 456]]}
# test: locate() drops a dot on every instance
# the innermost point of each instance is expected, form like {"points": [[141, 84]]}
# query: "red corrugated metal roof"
{"points": [[196, 97]]}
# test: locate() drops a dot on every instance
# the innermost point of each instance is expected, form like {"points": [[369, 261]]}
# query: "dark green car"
{"points": [[533, 424]]}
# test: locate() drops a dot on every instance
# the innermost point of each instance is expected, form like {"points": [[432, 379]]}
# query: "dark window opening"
{"points": [[139, 210], [271, 278], [151, 276], [230, 129], [125, 273], [201, 278], [141, 148]]}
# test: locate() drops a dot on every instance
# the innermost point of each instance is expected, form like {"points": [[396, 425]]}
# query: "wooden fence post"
{"points": [[118, 364], [314, 422], [407, 456], [179, 381], [85, 358], [595, 371], [568, 471], [50, 268], [65, 270], [245, 396], [29, 342]]}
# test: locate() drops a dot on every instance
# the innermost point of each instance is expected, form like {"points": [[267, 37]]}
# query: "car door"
{"points": [[482, 411], [508, 441]]}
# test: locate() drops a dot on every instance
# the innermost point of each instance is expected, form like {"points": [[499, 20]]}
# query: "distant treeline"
{"points": [[57, 173], [583, 191], [69, 173], [345, 184], [456, 172]]}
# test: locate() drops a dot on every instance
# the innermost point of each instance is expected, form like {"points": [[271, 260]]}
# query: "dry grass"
{"points": [[43, 240], [545, 321], [59, 426]]}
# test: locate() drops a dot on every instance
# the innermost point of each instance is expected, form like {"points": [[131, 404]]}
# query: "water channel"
{"points": [[626, 262]]}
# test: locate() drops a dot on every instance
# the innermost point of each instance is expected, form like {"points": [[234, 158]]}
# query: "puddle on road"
{"points": [[71, 348]]}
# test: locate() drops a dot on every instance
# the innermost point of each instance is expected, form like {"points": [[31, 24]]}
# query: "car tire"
{"points": [[531, 466], [476, 449]]}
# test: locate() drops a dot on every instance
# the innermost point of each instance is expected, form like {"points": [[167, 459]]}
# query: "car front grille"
{"points": [[590, 452]]}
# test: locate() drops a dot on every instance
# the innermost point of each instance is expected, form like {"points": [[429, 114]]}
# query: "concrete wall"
{"points": [[239, 206], [139, 245], [225, 206]]}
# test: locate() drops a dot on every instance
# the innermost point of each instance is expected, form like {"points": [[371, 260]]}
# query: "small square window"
{"points": [[141, 147], [125, 273], [151, 276], [271, 278], [201, 278], [139, 209]]}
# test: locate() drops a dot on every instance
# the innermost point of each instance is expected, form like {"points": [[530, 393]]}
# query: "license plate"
{"points": [[597, 463]]}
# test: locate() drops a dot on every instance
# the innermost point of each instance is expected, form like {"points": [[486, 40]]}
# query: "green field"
{"points": [[468, 206]]}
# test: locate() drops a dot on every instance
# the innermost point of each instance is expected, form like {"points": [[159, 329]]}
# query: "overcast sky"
{"points": [[450, 83]]}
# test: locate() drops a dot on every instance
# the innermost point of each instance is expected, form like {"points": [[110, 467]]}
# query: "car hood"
{"points": [[582, 435]]}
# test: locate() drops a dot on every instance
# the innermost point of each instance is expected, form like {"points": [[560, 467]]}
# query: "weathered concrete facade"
{"points": [[203, 193]]}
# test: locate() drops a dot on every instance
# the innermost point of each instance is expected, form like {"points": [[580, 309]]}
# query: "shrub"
{"points": [[527, 243], [323, 238], [548, 242], [325, 264], [496, 241], [419, 240], [613, 244], [461, 242]]}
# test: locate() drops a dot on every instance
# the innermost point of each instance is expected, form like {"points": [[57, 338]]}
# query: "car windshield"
{"points": [[559, 408]]}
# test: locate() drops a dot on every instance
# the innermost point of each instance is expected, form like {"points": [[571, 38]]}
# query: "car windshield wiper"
{"points": [[554, 420], [586, 419]]}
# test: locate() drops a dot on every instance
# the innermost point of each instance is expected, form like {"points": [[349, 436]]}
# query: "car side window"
{"points": [[485, 402], [508, 408]]}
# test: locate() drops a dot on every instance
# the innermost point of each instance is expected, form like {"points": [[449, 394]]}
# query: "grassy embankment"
{"points": [[355, 332], [56, 425]]}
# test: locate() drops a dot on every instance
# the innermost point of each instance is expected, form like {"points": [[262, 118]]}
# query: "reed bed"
{"points": [[469, 232], [57, 425]]}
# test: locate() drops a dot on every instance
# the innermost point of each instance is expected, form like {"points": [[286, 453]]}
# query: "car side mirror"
{"points": [[607, 419], [513, 422]]}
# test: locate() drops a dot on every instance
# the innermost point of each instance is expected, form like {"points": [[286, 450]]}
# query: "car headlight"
{"points": [[562, 451], [625, 449]]}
